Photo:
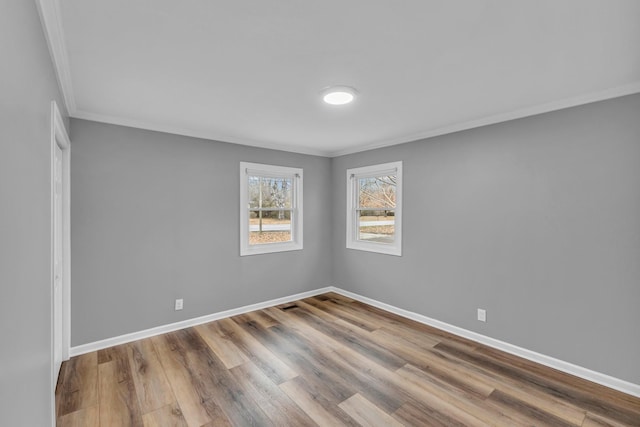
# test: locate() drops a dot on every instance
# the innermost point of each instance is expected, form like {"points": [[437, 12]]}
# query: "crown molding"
{"points": [[212, 136], [485, 121], [575, 101], [50, 17]]}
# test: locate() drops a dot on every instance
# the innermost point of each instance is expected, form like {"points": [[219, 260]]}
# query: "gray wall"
{"points": [[155, 218], [27, 87], [536, 220]]}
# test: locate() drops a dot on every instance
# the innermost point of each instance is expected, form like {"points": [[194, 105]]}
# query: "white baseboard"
{"points": [[147, 333], [560, 365], [570, 368]]}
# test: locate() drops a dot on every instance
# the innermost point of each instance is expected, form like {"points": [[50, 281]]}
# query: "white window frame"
{"points": [[353, 242], [296, 174]]}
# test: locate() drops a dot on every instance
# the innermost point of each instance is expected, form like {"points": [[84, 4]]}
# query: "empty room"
{"points": [[359, 213]]}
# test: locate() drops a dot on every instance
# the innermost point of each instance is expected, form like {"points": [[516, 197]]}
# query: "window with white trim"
{"points": [[270, 208], [374, 208]]}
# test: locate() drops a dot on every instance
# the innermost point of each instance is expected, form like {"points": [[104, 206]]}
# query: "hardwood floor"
{"points": [[327, 361]]}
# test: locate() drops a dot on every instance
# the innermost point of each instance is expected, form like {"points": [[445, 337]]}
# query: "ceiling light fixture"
{"points": [[338, 95]]}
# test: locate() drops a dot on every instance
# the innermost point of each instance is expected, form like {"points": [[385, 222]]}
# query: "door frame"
{"points": [[60, 137]]}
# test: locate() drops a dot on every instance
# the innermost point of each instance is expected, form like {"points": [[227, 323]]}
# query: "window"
{"points": [[270, 209], [374, 208]]}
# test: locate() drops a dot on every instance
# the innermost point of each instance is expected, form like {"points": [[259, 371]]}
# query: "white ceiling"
{"points": [[250, 72]]}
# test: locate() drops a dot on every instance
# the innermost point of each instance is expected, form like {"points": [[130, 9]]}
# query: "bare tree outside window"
{"points": [[271, 209], [270, 206], [376, 208]]}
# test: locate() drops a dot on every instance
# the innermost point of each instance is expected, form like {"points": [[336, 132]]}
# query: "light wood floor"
{"points": [[327, 361]]}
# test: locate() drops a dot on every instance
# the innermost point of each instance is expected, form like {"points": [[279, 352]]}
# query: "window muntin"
{"points": [[374, 208], [271, 208]]}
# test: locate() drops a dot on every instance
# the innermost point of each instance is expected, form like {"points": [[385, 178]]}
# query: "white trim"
{"points": [[147, 333], [201, 134], [60, 138], [552, 362], [297, 217], [519, 113], [50, 17], [352, 241], [575, 101]]}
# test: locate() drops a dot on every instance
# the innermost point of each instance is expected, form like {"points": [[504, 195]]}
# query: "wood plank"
{"points": [[355, 318], [218, 418], [117, 399], [178, 376], [336, 297], [431, 409], [592, 420], [397, 321], [221, 345], [154, 391], [109, 354], [561, 379], [262, 357], [417, 339], [319, 409], [445, 370], [391, 385], [78, 387], [366, 413], [588, 402], [464, 402], [86, 417], [353, 368], [166, 416], [119, 355], [261, 317], [269, 397], [232, 397], [381, 378], [411, 414], [350, 337], [303, 356], [526, 413], [322, 314], [212, 381], [518, 389]]}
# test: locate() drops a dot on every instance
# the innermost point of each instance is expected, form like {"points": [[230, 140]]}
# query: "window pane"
{"points": [[376, 226], [270, 226], [377, 192], [269, 192]]}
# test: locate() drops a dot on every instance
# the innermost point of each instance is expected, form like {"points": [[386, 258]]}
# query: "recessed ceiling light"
{"points": [[338, 95]]}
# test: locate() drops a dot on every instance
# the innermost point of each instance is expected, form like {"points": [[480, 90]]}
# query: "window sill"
{"points": [[380, 248], [270, 248]]}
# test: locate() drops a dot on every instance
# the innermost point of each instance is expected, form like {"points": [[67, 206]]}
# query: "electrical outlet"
{"points": [[482, 315], [179, 303]]}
